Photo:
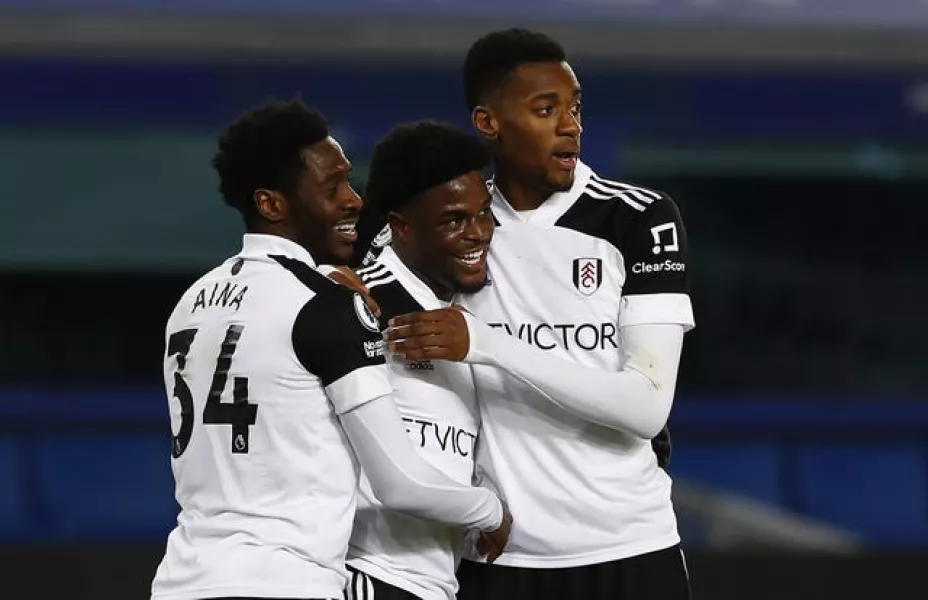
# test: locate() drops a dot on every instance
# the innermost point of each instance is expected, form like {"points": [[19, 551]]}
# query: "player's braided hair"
{"points": [[261, 149], [494, 57], [414, 157]]}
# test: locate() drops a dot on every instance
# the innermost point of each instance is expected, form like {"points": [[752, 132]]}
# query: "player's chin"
{"points": [[470, 281], [341, 251], [560, 180]]}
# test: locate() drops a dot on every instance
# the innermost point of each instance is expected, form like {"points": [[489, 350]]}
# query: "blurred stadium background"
{"points": [[793, 134]]}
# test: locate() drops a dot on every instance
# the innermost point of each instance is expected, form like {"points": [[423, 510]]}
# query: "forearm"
{"points": [[403, 481], [636, 399]]}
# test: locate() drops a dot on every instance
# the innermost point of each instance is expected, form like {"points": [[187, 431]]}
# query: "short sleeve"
{"points": [[656, 254], [338, 339]]}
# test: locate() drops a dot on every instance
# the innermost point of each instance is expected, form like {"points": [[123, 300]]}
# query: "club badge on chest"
{"points": [[587, 275]]}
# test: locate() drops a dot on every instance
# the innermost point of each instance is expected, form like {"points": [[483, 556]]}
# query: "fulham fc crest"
{"points": [[588, 275]]}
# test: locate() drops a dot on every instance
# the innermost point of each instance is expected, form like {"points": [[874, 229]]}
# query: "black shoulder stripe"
{"points": [[380, 279], [306, 274], [644, 194], [601, 194], [376, 271], [394, 300], [369, 269]]}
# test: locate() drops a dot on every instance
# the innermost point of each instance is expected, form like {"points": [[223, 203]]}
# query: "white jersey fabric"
{"points": [[565, 278], [437, 402], [263, 354]]}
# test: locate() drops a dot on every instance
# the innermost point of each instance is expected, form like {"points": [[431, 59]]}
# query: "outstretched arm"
{"points": [[636, 399]]}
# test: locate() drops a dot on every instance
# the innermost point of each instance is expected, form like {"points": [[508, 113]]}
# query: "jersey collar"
{"points": [[552, 208], [417, 288], [259, 246]]}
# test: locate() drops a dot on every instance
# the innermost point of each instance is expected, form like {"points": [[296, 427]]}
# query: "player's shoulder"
{"points": [[335, 331], [388, 290], [609, 208], [294, 273], [269, 288], [376, 274], [332, 320], [624, 198]]}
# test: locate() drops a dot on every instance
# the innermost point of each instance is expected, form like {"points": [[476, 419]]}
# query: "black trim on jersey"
{"points": [[378, 278], [307, 275], [329, 337], [394, 299], [652, 241]]}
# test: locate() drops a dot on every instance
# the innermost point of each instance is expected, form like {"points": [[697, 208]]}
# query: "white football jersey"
{"points": [[262, 355], [437, 402], [565, 278]]}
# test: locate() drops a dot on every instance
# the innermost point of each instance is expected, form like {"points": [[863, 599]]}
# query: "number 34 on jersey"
{"points": [[239, 413]]}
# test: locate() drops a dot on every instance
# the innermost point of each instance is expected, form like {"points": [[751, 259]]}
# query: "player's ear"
{"points": [[271, 204], [399, 227], [485, 122]]}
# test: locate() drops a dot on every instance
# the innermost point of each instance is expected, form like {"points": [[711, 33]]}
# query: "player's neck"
{"points": [[443, 293], [281, 230], [520, 195]]}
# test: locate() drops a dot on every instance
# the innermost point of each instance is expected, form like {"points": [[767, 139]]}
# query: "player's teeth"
{"points": [[472, 258]]}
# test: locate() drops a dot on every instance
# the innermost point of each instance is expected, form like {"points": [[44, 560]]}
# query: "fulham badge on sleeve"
{"points": [[365, 315]]}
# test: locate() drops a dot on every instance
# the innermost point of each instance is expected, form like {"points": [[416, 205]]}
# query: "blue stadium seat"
{"points": [[112, 487], [14, 504], [743, 468], [879, 491]]}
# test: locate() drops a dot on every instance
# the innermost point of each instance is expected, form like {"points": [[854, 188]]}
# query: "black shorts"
{"points": [[659, 575], [362, 586]]}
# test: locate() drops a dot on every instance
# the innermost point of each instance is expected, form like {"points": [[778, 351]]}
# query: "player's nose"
{"points": [[569, 124], [352, 202], [479, 229]]}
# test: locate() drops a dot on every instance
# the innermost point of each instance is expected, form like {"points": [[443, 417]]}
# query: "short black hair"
{"points": [[494, 57], [261, 149], [414, 157]]}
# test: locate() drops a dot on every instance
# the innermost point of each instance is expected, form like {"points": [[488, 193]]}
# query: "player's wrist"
{"points": [[480, 338]]}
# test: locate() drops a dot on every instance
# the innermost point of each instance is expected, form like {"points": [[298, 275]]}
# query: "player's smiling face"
{"points": [[447, 234], [324, 211], [539, 123]]}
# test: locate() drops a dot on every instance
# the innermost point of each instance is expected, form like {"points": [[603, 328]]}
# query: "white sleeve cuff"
{"points": [[359, 387], [657, 309]]}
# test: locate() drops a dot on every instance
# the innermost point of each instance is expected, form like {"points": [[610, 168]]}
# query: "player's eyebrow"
{"points": [[452, 210], [552, 96]]}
